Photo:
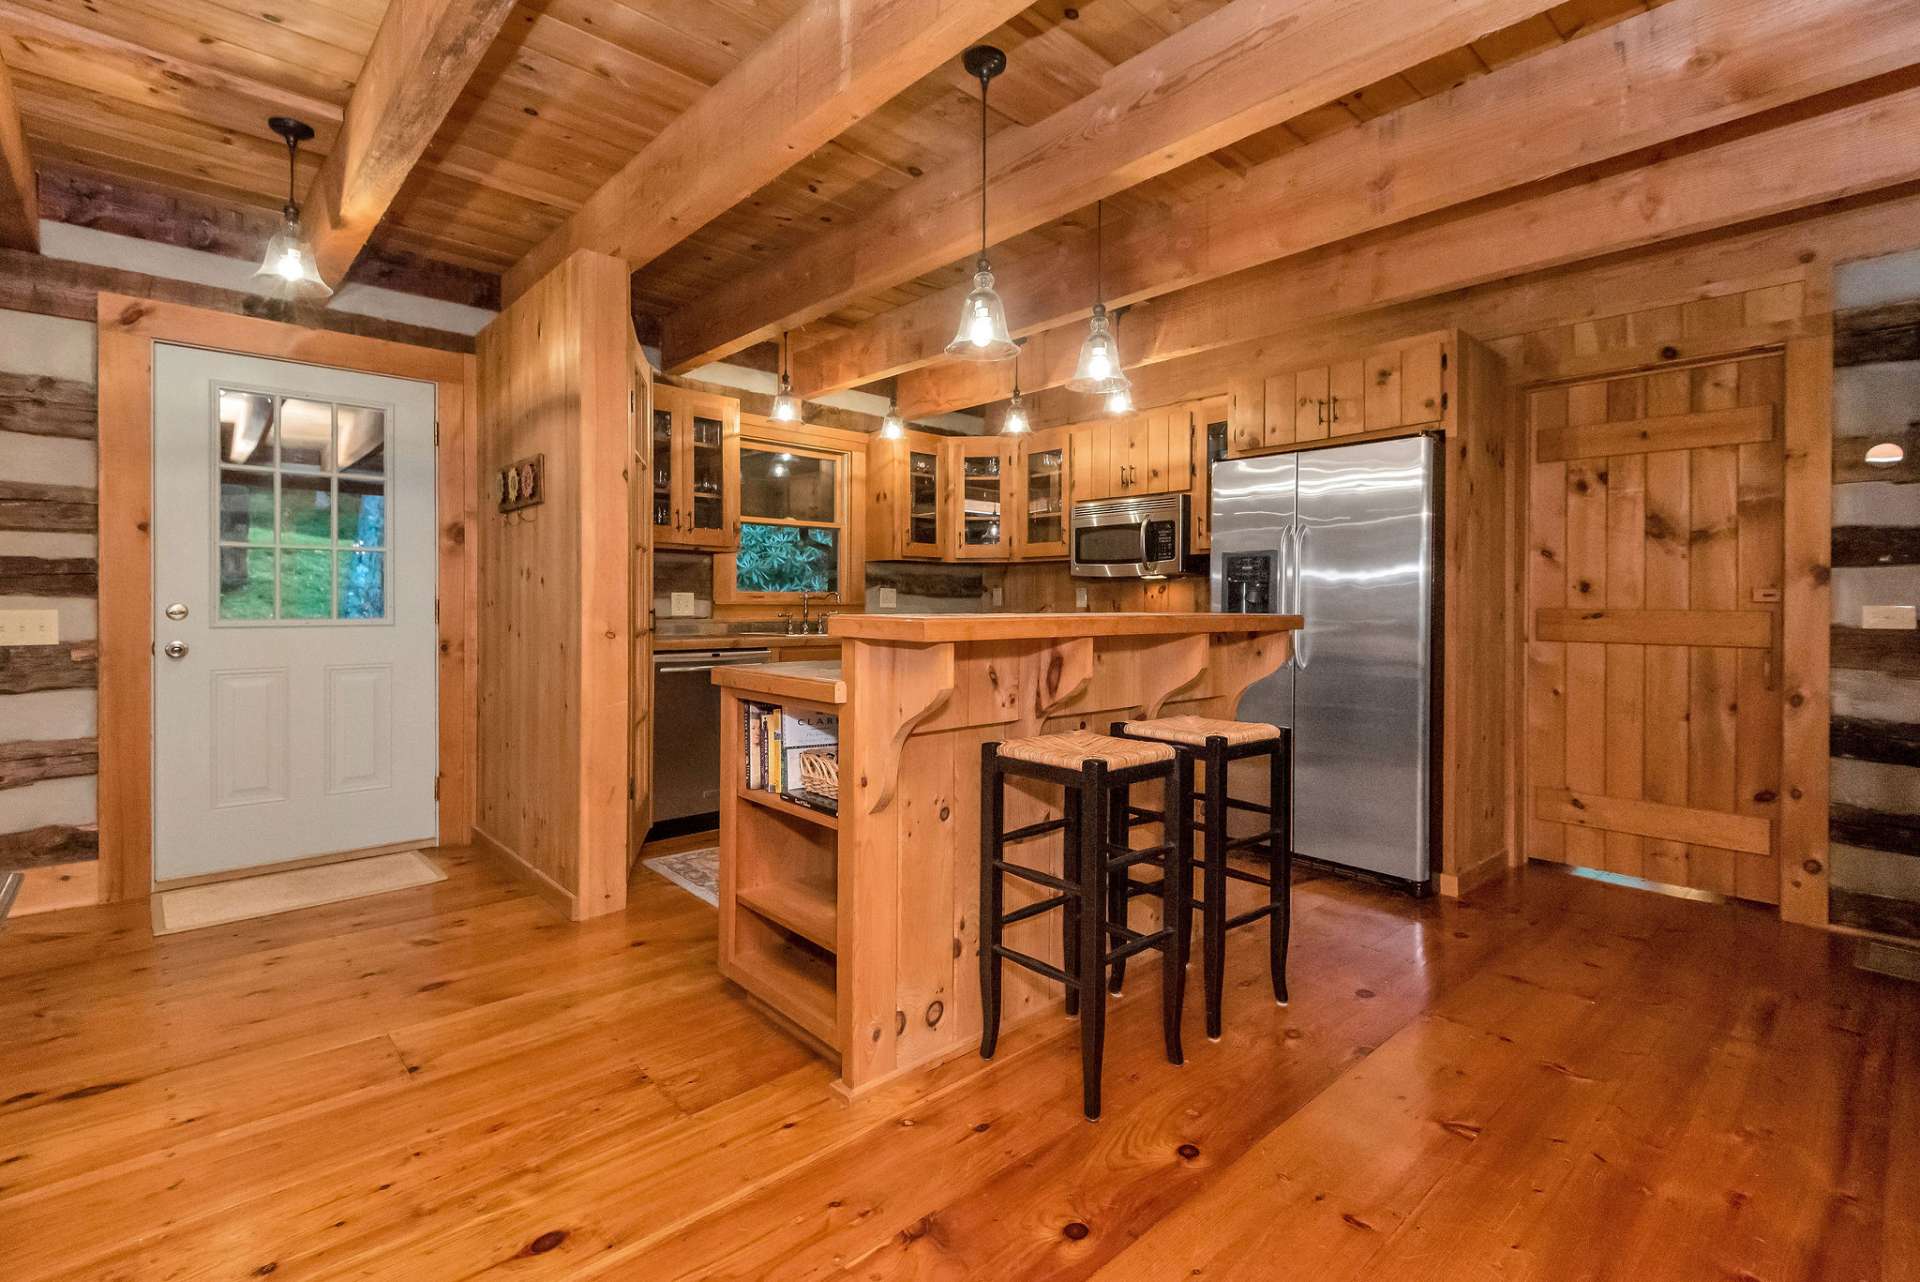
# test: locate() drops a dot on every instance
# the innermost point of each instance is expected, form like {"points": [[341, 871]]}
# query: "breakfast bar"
{"points": [[880, 969]]}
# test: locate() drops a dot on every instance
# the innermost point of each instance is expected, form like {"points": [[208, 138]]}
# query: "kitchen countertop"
{"points": [[818, 681]]}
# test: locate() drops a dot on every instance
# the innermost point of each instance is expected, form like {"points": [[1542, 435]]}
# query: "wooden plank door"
{"points": [[1653, 658]]}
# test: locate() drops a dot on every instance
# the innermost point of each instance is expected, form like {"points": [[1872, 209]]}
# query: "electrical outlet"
{"points": [[1898, 618], [886, 598], [682, 605], [29, 627], [1079, 598], [997, 596]]}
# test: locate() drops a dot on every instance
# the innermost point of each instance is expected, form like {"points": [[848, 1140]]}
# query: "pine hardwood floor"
{"points": [[1553, 1080]]}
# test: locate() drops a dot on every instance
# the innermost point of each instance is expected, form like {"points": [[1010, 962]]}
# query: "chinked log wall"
{"points": [[1875, 767], [46, 686]]}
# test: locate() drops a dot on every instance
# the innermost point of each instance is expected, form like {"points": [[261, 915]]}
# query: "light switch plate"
{"points": [[1079, 598], [29, 627], [886, 598], [1899, 618], [682, 605]]}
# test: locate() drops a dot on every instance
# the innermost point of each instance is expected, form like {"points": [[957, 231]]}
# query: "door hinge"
{"points": [[436, 787], [631, 792], [633, 403], [436, 609], [436, 431]]}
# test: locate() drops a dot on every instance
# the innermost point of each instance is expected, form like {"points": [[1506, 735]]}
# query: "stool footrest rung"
{"points": [[1124, 857], [1235, 803], [1141, 815], [1258, 841], [1252, 914], [1031, 831], [1035, 964], [1139, 944], [1251, 878], [1034, 909], [1035, 875]]}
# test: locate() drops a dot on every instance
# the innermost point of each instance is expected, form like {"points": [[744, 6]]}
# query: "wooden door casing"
{"points": [[1655, 561]]}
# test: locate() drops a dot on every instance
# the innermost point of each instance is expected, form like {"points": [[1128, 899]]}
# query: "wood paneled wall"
{"points": [[556, 377]]}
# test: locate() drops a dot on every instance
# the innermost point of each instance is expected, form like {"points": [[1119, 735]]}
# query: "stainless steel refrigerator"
{"points": [[1346, 536]]}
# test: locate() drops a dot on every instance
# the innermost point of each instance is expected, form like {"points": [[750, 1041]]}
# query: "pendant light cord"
{"points": [[1099, 251], [985, 80], [293, 178]]}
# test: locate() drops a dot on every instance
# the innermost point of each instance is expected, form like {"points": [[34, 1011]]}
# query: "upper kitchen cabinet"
{"points": [[1392, 388], [907, 507], [980, 506], [1212, 426], [1151, 452], [1042, 494], [695, 447]]}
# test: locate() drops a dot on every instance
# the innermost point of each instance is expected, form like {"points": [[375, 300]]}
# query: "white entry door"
{"points": [[294, 673]]}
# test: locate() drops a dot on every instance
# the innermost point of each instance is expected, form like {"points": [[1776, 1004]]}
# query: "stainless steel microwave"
{"points": [[1131, 538]]}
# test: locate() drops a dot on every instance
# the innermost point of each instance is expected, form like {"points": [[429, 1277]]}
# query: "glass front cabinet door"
{"points": [[906, 498], [981, 490], [696, 469], [1041, 504]]}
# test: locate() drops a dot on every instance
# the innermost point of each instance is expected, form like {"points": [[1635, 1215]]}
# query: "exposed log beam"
{"points": [[50, 287], [37, 405], [1247, 67], [1807, 160], [420, 60], [1684, 67], [1711, 265], [109, 203], [19, 195], [828, 66]]}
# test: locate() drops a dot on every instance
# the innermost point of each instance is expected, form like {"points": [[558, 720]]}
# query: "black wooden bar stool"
{"points": [[1213, 744], [1097, 772]]}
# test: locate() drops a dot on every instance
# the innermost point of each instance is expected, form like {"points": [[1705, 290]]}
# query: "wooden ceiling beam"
{"points": [[1807, 160], [830, 65], [19, 192], [1684, 67], [1242, 69], [420, 61]]}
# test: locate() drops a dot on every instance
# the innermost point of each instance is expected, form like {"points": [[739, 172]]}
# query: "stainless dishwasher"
{"points": [[686, 730]]}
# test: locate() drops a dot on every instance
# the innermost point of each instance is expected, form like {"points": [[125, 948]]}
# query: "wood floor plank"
{"points": [[1550, 1079]]}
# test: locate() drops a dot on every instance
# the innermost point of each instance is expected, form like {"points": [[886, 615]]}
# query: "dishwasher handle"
{"points": [[707, 662]]}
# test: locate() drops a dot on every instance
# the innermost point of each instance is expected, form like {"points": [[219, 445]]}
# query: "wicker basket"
{"points": [[820, 772]]}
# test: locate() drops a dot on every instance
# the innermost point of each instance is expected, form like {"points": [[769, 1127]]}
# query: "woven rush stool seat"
{"points": [[1195, 731], [1072, 750]]}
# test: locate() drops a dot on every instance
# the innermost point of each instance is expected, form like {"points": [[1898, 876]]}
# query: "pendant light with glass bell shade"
{"points": [[786, 406], [893, 427], [288, 267], [1015, 423], [982, 335], [1098, 371]]}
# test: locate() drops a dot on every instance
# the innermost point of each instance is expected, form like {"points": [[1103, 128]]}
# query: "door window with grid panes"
{"points": [[303, 511]]}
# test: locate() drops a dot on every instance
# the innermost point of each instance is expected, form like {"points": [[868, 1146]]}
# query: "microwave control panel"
{"points": [[1162, 541]]}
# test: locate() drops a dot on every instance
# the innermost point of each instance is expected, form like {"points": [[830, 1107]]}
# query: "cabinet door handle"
{"points": [[1333, 409], [1322, 411]]}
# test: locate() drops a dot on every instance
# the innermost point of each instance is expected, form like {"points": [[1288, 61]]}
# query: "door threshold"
{"points": [[290, 865]]}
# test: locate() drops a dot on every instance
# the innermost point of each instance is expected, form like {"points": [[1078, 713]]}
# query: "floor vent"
{"points": [[1888, 959]]}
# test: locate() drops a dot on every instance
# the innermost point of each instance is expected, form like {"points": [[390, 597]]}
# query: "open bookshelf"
{"points": [[780, 845]]}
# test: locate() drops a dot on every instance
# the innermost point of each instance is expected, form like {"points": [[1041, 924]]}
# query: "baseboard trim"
{"points": [[1452, 885], [522, 871]]}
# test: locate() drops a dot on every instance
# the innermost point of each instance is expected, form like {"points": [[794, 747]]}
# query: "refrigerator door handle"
{"points": [[1283, 586], [1301, 654]]}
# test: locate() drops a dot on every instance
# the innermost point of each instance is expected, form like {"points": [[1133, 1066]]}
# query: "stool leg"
{"points": [[1280, 867], [1187, 862], [992, 847], [1093, 935], [1173, 973], [1071, 858], [1120, 833], [1213, 959]]}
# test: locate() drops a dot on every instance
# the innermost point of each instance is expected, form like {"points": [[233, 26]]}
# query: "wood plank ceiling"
{"points": [[174, 93]]}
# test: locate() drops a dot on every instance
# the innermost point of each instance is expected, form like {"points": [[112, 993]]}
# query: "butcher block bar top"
{"points": [[859, 927], [1030, 627]]}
